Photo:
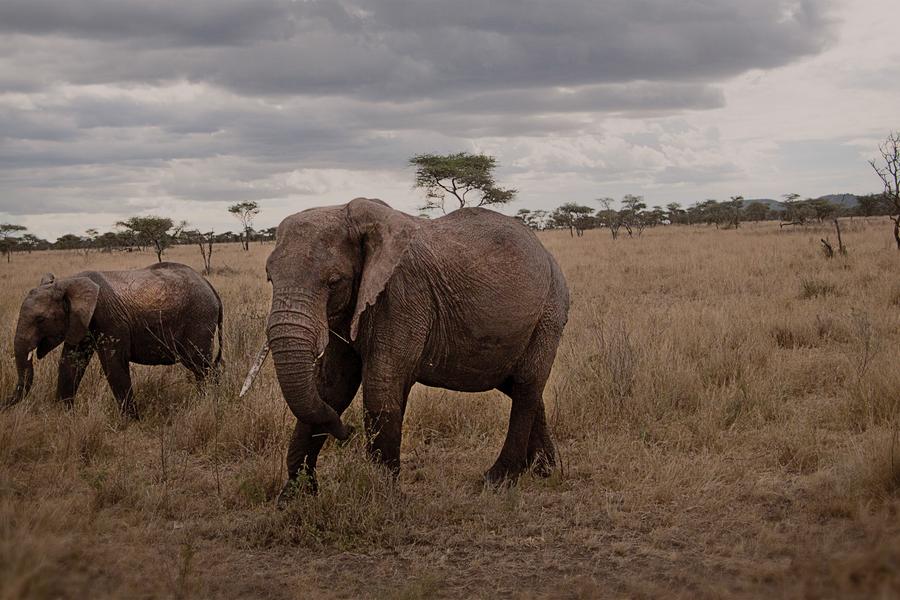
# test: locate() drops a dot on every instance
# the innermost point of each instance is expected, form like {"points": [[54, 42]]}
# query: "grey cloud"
{"points": [[198, 22], [399, 49], [697, 174], [90, 111]]}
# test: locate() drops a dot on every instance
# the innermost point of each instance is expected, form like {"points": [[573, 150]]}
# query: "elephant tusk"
{"points": [[30, 355], [254, 370]]}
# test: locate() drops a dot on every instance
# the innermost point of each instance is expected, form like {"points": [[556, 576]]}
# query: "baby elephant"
{"points": [[160, 315]]}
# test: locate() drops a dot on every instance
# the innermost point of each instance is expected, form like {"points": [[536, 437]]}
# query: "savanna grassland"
{"points": [[725, 406]]}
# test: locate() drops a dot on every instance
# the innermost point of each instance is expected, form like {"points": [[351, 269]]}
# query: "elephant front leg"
{"points": [[72, 364], [385, 404], [338, 382], [118, 374]]}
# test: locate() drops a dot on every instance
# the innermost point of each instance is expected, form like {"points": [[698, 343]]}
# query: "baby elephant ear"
{"points": [[82, 294], [47, 279], [384, 234]]}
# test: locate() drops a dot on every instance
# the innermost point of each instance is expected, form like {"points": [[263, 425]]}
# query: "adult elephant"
{"points": [[160, 315], [363, 293]]}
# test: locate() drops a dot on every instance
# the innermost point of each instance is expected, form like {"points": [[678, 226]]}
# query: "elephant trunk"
{"points": [[298, 333], [24, 367]]}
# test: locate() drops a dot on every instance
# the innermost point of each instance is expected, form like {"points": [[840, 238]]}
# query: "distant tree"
{"points": [[9, 238], [109, 240], [68, 241], [631, 214], [245, 212], [655, 216], [756, 211], [609, 217], [733, 211], [794, 211], [674, 213], [888, 170], [91, 236], [535, 219], [269, 234], [156, 231], [205, 241], [709, 212], [32, 242], [456, 176], [821, 208], [571, 216], [871, 204]]}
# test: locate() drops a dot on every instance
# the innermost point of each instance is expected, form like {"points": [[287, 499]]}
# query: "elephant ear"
{"points": [[384, 234], [81, 294]]}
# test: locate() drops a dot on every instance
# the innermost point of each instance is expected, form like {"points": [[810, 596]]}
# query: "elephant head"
{"points": [[328, 266], [57, 310]]}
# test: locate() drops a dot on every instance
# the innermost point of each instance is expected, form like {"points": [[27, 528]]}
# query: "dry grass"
{"points": [[725, 403]]}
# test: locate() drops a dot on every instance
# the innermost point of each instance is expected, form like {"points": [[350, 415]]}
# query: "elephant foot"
{"points": [[502, 476], [541, 462], [302, 484], [130, 411]]}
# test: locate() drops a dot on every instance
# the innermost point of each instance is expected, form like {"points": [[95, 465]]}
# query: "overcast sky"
{"points": [[110, 108]]}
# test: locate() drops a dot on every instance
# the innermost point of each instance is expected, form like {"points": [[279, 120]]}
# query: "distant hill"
{"points": [[842, 200]]}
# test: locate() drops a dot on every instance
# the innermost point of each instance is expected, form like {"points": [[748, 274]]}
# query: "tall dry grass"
{"points": [[725, 404]]}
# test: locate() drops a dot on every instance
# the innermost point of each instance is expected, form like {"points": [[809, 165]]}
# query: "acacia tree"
{"points": [[631, 213], [205, 241], [756, 211], [245, 212], [158, 231], [888, 170], [573, 216], [31, 242], [455, 176], [535, 219], [9, 233], [734, 211], [674, 213], [793, 211]]}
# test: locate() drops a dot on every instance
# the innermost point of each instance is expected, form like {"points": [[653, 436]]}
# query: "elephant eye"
{"points": [[333, 280], [39, 319]]}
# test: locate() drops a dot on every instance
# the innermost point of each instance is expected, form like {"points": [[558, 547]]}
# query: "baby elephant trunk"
{"points": [[24, 368]]}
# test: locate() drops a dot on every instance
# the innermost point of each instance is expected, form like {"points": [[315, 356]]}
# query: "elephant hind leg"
{"points": [[528, 443], [541, 452], [195, 353], [513, 459], [118, 373]]}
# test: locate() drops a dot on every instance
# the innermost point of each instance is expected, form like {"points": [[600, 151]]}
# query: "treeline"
{"points": [[139, 233], [119, 240], [634, 216]]}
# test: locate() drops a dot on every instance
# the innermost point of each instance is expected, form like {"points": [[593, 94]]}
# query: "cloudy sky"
{"points": [[110, 108]]}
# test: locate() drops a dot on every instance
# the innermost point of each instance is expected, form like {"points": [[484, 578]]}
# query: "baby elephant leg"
{"points": [[72, 364], [118, 373]]}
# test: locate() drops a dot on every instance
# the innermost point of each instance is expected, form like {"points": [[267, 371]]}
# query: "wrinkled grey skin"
{"points": [[160, 315], [471, 302]]}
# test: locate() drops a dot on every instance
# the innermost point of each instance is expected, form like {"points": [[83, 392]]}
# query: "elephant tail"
{"points": [[218, 362]]}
